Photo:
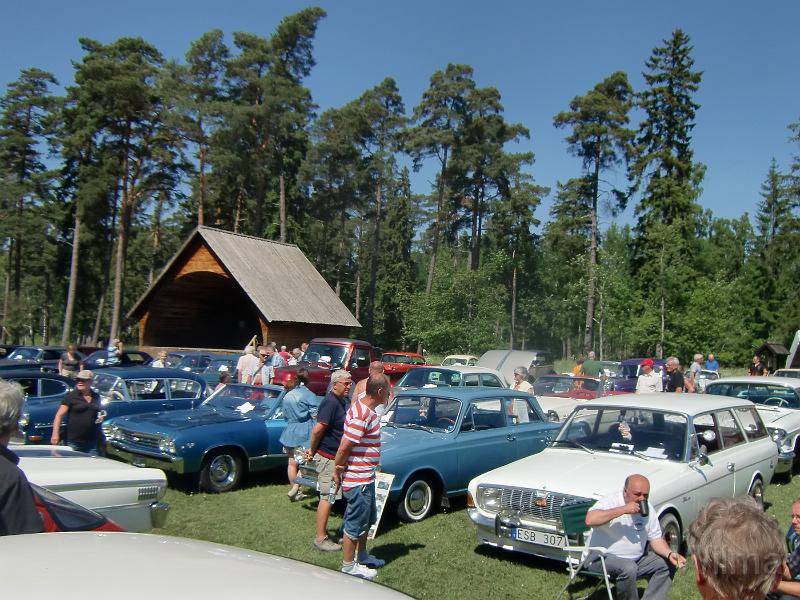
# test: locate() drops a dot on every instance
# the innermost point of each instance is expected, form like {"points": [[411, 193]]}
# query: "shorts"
{"points": [[325, 467], [361, 512]]}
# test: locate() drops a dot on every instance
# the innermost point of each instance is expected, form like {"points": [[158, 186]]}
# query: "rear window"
{"points": [[67, 515], [53, 387], [184, 388]]}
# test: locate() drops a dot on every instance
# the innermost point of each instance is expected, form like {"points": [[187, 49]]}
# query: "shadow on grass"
{"points": [[189, 484], [393, 551]]}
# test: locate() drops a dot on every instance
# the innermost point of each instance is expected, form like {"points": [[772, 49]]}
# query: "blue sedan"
{"points": [[235, 431]]}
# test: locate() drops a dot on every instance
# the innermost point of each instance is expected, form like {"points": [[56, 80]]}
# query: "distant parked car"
{"points": [[60, 514], [794, 373], [435, 440], [6, 349], [196, 362], [125, 391], [705, 377], [558, 395], [128, 358], [42, 358], [43, 395], [460, 359], [235, 431], [128, 496], [176, 567], [453, 376], [212, 371], [538, 362], [629, 372], [778, 402], [397, 364]]}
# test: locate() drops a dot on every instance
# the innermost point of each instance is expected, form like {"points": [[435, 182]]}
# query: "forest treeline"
{"points": [[99, 187]]}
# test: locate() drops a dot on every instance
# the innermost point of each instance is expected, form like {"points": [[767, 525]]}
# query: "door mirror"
{"points": [[708, 436]]}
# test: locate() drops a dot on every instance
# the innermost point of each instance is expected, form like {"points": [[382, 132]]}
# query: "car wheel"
{"points": [[221, 471], [757, 493], [417, 501], [671, 529]]}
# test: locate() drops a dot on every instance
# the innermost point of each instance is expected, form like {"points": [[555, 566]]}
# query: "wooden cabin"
{"points": [[222, 288]]}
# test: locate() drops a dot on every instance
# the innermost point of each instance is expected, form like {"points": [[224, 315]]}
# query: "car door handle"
{"points": [[169, 406], [511, 437], [731, 467]]}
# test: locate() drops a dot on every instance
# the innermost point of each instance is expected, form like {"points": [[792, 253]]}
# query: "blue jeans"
{"points": [[361, 512]]}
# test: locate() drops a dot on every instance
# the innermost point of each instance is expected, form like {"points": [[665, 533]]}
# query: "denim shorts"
{"points": [[361, 512]]}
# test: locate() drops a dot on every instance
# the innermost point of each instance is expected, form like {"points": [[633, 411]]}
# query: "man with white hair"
{"points": [[247, 364], [18, 512], [674, 382], [694, 372]]}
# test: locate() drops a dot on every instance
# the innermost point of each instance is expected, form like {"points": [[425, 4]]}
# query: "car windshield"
{"points": [[644, 432], [245, 399], [566, 387], [105, 384], [430, 378], [630, 371], [228, 363], [760, 393], [24, 354], [326, 353], [425, 412], [173, 359]]}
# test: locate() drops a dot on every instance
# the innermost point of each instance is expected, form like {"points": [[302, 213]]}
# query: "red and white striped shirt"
{"points": [[362, 428]]}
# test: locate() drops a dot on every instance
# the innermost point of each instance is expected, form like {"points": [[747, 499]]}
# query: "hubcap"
{"points": [[418, 498], [223, 469]]}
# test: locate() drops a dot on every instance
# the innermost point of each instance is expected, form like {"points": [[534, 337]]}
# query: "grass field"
{"points": [[437, 558]]}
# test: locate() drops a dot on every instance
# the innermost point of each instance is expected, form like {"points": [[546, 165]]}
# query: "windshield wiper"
{"points": [[417, 426], [573, 443]]}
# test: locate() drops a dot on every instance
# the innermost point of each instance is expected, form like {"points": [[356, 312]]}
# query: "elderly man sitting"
{"points": [[625, 524]]}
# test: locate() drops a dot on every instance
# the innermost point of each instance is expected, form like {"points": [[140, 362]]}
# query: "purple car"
{"points": [[629, 372]]}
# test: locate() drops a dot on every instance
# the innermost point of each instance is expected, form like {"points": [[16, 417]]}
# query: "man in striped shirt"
{"points": [[357, 459]]}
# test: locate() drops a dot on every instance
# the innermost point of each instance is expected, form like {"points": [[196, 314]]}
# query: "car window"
{"points": [[488, 414], [52, 387], [425, 411], [28, 385], [773, 395], [361, 357], [184, 388], [146, 389], [416, 360], [51, 355], [752, 423], [489, 380], [521, 411], [707, 423], [729, 429], [388, 358], [472, 379], [136, 358], [732, 390]]}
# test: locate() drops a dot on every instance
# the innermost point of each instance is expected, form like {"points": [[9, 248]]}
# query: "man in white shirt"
{"points": [[649, 380], [620, 526], [246, 365]]}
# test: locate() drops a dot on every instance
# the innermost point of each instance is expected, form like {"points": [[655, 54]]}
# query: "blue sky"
{"points": [[538, 54]]}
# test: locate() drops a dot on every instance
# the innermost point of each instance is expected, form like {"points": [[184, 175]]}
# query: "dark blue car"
{"points": [[43, 395], [235, 431], [123, 391]]}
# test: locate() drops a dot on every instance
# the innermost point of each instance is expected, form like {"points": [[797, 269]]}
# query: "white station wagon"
{"points": [[692, 448]]}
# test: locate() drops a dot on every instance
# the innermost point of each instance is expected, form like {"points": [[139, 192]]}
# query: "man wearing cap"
{"points": [[82, 408], [648, 381]]}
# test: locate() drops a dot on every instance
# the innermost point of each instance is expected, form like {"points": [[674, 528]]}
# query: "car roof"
{"points": [[33, 373], [226, 356], [325, 340], [461, 369], [768, 379], [134, 372], [460, 392], [690, 404]]}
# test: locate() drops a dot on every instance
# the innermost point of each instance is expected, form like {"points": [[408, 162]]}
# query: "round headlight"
{"points": [[489, 498], [166, 445]]}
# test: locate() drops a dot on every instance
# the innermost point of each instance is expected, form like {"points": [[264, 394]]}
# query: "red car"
{"points": [[60, 514], [397, 364]]}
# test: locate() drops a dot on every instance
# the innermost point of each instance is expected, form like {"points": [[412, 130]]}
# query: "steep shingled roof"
{"points": [[278, 278]]}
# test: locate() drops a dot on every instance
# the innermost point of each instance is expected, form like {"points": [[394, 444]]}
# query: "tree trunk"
{"points": [[588, 332], [513, 300], [7, 293], [472, 264], [357, 310], [73, 281], [373, 266], [238, 214], [119, 266], [201, 191], [436, 225], [282, 205]]}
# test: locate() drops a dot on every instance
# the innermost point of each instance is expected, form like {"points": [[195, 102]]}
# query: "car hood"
{"points": [[399, 440], [578, 473], [178, 420], [779, 417]]}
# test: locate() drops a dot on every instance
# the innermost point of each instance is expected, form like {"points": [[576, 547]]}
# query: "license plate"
{"points": [[543, 538]]}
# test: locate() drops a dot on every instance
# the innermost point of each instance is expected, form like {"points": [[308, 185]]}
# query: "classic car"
{"points": [[42, 358], [235, 431], [212, 371], [129, 358], [397, 364], [778, 402], [175, 567], [692, 448], [123, 391], [435, 440], [193, 361], [559, 394], [6, 349], [705, 377], [43, 395], [60, 514], [467, 360], [629, 372], [454, 376], [128, 496], [794, 373], [538, 362]]}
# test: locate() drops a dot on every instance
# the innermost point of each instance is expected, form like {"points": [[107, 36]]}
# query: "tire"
{"points": [[418, 500], [221, 471], [757, 493], [671, 528]]}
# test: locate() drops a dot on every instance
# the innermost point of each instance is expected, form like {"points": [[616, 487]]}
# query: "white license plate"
{"points": [[543, 538]]}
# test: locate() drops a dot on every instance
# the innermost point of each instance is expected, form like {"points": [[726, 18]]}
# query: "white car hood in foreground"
{"points": [[576, 472], [169, 567], [786, 418]]}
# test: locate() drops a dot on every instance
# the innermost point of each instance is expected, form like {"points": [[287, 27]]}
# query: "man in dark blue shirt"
{"points": [[325, 439]]}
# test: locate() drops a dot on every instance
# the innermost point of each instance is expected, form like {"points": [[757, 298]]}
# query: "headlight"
{"points": [[166, 445], [489, 498], [777, 434], [24, 420], [110, 431]]}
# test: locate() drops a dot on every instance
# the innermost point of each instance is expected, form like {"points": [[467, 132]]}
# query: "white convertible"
{"points": [[691, 448], [130, 496]]}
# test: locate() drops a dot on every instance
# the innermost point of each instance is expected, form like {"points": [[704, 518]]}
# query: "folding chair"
{"points": [[581, 559]]}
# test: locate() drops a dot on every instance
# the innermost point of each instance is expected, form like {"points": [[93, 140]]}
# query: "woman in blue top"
{"points": [[300, 409]]}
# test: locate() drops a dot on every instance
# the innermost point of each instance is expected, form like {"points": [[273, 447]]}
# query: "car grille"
{"points": [[133, 438], [149, 492], [536, 505]]}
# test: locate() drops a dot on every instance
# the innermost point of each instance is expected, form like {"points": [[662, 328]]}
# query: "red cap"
{"points": [[647, 362]]}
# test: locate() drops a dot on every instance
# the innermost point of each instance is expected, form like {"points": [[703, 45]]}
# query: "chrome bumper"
{"points": [[785, 462], [158, 513], [497, 532], [165, 463]]}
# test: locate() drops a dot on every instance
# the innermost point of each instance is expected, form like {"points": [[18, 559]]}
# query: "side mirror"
{"points": [[552, 416], [708, 436]]}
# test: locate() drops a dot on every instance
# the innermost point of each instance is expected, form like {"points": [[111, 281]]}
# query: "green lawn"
{"points": [[437, 558]]}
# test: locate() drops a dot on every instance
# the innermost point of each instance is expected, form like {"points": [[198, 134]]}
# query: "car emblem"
{"points": [[541, 502]]}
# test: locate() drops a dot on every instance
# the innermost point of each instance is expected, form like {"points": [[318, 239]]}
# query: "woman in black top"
{"points": [[83, 411]]}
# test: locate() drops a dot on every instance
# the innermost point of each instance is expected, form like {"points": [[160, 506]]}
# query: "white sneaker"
{"points": [[359, 570]]}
